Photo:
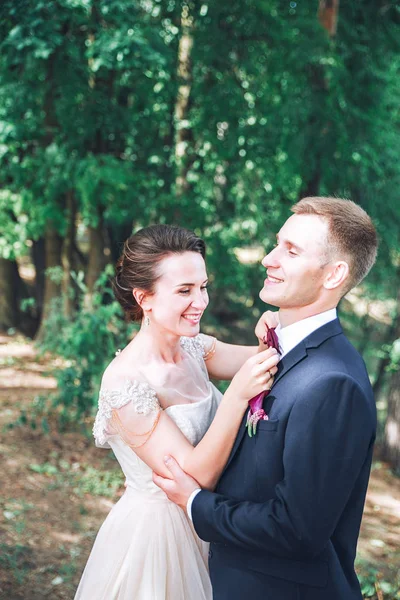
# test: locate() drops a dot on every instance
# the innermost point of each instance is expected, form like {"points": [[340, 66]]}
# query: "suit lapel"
{"points": [[290, 360], [299, 352], [287, 362]]}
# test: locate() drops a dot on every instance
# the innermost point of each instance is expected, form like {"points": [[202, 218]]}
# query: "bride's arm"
{"points": [[227, 359], [206, 461]]}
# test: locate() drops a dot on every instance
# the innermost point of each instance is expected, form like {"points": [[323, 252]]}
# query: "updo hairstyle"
{"points": [[137, 266]]}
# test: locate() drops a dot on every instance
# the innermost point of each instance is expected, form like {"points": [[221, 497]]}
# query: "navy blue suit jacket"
{"points": [[284, 520]]}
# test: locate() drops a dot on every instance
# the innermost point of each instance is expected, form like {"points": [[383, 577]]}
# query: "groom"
{"points": [[284, 519]]}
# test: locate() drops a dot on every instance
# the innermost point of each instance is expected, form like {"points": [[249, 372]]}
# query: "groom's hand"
{"points": [[180, 486]]}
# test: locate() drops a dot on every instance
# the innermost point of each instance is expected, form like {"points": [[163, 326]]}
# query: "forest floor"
{"points": [[56, 489]]}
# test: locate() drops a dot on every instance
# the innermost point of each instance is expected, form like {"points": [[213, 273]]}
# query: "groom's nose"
{"points": [[270, 259]]}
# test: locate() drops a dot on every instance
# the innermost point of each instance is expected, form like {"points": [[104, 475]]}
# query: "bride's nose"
{"points": [[200, 301]]}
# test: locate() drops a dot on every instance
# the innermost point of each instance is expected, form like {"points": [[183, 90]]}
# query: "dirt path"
{"points": [[57, 488], [47, 526]]}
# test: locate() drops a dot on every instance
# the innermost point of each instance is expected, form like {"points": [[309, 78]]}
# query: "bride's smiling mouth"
{"points": [[193, 318]]}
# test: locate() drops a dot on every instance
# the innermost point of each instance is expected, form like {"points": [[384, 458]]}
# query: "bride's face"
{"points": [[180, 296]]}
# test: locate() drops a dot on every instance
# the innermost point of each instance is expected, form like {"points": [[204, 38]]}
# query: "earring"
{"points": [[147, 320]]}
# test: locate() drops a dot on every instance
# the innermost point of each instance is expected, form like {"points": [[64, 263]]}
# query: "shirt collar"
{"points": [[293, 334]]}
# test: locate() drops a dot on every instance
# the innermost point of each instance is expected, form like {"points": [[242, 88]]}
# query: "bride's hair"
{"points": [[137, 266]]}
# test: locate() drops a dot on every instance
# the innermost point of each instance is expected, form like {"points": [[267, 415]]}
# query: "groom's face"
{"points": [[297, 265]]}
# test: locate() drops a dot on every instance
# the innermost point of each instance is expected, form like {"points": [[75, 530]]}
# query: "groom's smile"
{"points": [[272, 280]]}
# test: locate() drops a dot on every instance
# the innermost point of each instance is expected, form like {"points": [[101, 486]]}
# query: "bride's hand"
{"points": [[270, 319], [255, 376]]}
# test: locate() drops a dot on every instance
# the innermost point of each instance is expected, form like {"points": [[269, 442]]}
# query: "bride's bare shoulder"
{"points": [[124, 366]]}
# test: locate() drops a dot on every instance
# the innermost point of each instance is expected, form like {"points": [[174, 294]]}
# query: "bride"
{"points": [[156, 399]]}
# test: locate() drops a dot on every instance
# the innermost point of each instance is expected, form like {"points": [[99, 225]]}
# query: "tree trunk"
{"points": [[13, 291], [98, 82], [391, 434], [393, 333], [67, 258], [9, 310], [52, 289], [39, 261], [381, 375], [327, 16], [391, 444], [328, 12], [97, 259], [117, 234], [311, 187], [183, 132], [319, 125]]}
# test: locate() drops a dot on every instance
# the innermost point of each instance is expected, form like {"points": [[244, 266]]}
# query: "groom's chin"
{"points": [[268, 298]]}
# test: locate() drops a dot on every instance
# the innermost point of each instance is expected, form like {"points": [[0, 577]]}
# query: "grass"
{"points": [[378, 585], [81, 479]]}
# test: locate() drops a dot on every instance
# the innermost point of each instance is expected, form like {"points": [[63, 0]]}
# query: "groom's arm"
{"points": [[328, 438]]}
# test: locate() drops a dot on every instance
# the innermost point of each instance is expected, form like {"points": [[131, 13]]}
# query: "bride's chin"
{"points": [[191, 328]]}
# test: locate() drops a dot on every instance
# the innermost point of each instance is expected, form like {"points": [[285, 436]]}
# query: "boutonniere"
{"points": [[256, 412]]}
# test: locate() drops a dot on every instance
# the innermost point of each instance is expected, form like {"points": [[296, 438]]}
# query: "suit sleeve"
{"points": [[329, 434]]}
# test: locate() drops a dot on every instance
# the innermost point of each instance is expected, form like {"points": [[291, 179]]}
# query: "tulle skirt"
{"points": [[146, 549]]}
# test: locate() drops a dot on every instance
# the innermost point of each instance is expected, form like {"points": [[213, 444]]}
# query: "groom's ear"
{"points": [[337, 275]]}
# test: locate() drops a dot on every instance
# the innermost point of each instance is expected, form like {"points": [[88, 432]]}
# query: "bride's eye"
{"points": [[185, 292], [204, 287]]}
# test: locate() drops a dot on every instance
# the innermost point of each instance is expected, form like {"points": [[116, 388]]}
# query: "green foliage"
{"points": [[88, 102], [37, 416], [375, 584], [395, 355], [14, 226], [81, 479], [44, 469], [98, 483], [16, 559], [89, 98], [86, 342]]}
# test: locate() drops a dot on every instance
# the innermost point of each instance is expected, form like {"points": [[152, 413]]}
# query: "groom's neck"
{"points": [[294, 315]]}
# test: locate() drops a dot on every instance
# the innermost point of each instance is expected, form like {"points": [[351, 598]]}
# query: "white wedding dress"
{"points": [[147, 548]]}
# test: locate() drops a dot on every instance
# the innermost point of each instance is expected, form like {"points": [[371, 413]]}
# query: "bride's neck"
{"points": [[158, 344]]}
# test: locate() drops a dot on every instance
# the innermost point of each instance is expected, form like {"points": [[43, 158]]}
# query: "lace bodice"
{"points": [[193, 416], [194, 346], [142, 396]]}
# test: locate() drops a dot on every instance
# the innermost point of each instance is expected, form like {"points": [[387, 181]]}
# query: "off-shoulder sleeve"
{"points": [[130, 411], [199, 346]]}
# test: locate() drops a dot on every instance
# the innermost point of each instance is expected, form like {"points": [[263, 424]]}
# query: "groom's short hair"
{"points": [[351, 234]]}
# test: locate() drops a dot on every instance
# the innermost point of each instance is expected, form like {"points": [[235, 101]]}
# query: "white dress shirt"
{"points": [[288, 338]]}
